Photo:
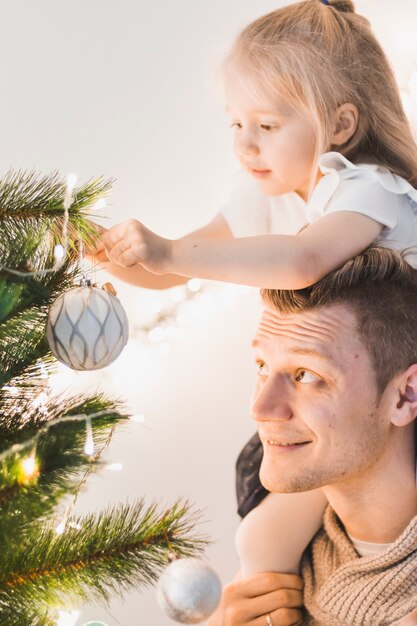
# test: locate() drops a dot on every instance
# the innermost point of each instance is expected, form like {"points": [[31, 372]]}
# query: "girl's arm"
{"points": [[137, 274], [269, 261]]}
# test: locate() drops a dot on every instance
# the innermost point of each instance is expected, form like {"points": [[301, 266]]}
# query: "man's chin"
{"points": [[286, 484]]}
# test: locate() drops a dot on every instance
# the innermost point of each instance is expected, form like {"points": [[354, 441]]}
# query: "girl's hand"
{"points": [[96, 253], [130, 243], [248, 602]]}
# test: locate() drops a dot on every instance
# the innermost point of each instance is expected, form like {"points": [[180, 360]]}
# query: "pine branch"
{"points": [[61, 458], [29, 193], [65, 435], [122, 547]]}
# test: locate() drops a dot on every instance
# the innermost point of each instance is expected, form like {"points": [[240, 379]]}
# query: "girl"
{"points": [[331, 167]]}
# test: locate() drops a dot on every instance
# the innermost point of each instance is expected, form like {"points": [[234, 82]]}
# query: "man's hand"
{"points": [[130, 243], [248, 602], [408, 620]]}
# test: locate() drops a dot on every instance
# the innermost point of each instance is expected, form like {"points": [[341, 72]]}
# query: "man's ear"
{"points": [[345, 123], [406, 389]]}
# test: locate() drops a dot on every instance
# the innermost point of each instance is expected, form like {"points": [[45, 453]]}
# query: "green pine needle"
{"points": [[126, 545], [123, 547]]}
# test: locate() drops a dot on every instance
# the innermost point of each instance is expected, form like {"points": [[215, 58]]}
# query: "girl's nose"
{"points": [[245, 144]]}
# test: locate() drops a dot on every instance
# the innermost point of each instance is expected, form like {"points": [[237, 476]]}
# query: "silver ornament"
{"points": [[189, 591], [87, 328]]}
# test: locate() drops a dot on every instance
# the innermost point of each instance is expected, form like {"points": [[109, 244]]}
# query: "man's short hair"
{"points": [[381, 289]]}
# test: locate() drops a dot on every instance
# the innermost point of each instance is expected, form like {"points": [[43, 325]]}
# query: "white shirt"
{"points": [[361, 188], [368, 548]]}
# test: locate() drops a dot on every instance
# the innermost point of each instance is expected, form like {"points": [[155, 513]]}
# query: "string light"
{"points": [[59, 253], [19, 447], [60, 250], [194, 285], [60, 528], [28, 469], [167, 319], [89, 441], [68, 200], [65, 521]]}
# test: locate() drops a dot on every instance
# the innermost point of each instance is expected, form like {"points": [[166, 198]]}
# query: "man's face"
{"points": [[315, 401]]}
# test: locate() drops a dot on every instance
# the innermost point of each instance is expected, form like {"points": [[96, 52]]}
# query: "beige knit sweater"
{"points": [[343, 589]]}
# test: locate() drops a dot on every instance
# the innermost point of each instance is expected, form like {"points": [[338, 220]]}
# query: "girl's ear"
{"points": [[405, 410], [345, 123]]}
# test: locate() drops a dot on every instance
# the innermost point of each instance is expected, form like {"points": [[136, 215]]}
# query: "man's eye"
{"points": [[305, 376], [235, 125], [262, 369]]}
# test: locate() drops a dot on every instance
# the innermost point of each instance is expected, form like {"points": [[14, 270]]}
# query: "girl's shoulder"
{"points": [[338, 166]]}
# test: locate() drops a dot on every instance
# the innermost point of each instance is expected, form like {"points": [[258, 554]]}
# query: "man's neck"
{"points": [[380, 503]]}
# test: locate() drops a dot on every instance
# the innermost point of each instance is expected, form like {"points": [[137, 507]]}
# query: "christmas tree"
{"points": [[46, 561]]}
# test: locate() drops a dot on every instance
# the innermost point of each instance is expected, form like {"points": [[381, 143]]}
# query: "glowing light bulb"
{"points": [[71, 180], [194, 285], [89, 441], [29, 469], [59, 252]]}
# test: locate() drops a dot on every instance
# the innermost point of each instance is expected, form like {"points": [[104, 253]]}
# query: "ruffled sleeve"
{"points": [[371, 190]]}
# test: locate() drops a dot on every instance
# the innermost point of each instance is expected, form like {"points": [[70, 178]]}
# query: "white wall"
{"points": [[127, 89]]}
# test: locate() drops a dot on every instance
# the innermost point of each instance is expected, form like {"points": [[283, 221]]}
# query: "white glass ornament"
{"points": [[189, 591], [87, 328]]}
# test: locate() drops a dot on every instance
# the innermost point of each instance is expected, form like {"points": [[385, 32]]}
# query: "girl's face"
{"points": [[273, 142]]}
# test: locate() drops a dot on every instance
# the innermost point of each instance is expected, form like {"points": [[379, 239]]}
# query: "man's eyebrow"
{"points": [[312, 352], [324, 356]]}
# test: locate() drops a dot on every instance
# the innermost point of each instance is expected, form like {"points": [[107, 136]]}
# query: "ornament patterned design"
{"points": [[87, 328]]}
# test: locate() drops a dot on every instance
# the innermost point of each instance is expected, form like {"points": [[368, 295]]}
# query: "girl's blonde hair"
{"points": [[317, 57]]}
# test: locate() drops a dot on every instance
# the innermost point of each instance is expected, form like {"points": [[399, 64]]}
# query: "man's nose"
{"points": [[272, 400]]}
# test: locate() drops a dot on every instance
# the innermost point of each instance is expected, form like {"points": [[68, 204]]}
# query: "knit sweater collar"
{"points": [[344, 589], [337, 534]]}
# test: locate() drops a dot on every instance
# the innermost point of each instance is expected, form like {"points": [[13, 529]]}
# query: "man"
{"points": [[338, 381]]}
